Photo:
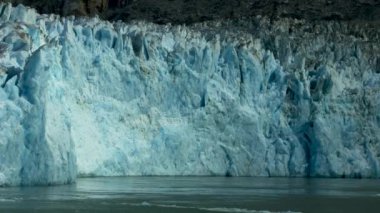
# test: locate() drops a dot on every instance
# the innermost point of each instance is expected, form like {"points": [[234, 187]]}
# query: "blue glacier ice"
{"points": [[238, 99]]}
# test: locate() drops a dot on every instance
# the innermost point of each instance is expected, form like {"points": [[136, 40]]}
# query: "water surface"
{"points": [[196, 194]]}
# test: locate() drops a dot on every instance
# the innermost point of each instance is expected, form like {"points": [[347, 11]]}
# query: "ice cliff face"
{"points": [[254, 98]]}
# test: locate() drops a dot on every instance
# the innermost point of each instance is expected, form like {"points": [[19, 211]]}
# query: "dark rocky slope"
{"points": [[190, 11]]}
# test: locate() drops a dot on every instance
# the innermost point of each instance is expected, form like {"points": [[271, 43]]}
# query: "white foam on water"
{"points": [[7, 200], [238, 210], [216, 209]]}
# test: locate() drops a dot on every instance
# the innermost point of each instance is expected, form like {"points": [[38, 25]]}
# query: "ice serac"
{"points": [[247, 98]]}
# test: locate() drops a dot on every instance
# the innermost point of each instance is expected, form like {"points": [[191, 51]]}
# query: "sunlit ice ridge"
{"points": [[254, 97]]}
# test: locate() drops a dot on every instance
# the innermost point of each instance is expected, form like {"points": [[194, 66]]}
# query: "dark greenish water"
{"points": [[196, 194]]}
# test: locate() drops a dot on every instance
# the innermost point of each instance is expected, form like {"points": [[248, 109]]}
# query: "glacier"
{"points": [[235, 98]]}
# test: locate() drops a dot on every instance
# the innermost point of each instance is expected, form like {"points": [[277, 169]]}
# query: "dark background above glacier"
{"points": [[190, 11]]}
